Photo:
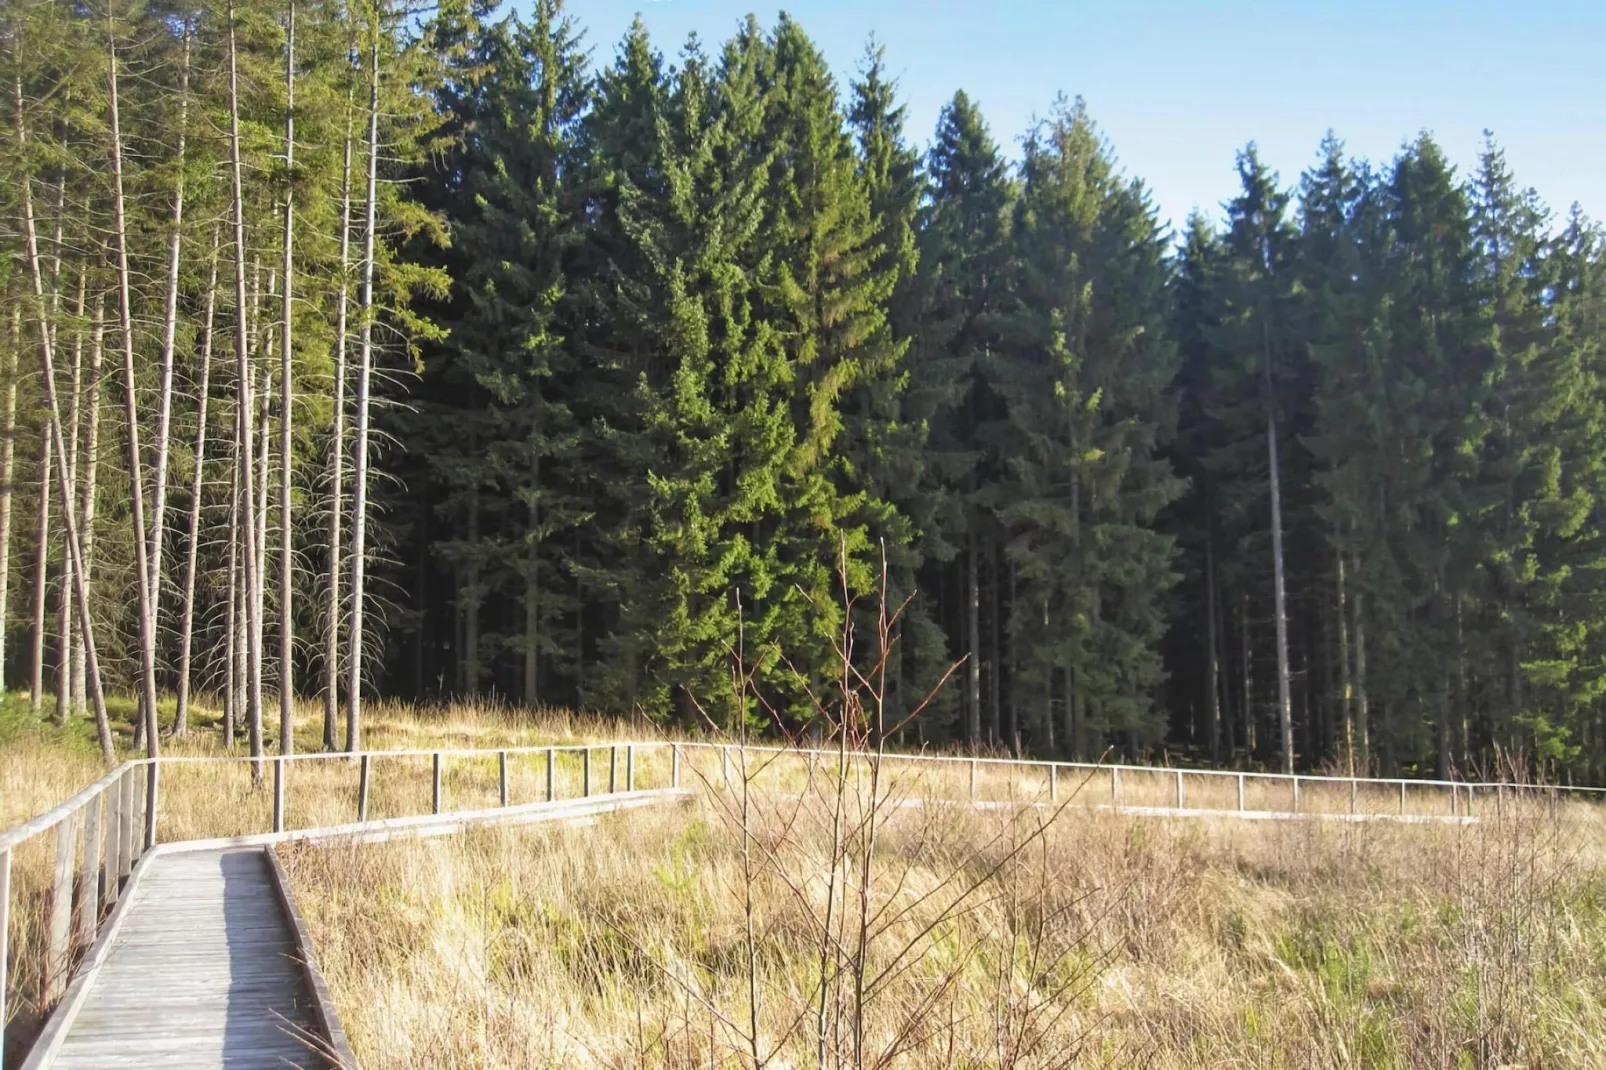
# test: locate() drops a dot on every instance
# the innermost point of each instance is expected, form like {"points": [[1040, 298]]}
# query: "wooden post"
{"points": [[613, 768], [501, 775], [1240, 792], [114, 840], [435, 787], [125, 828], [278, 794], [630, 767], [1296, 795], [1402, 797], [674, 765], [585, 776], [89, 889], [551, 774], [153, 775], [1179, 789], [58, 957], [974, 766], [1053, 783], [363, 775], [5, 942], [1115, 787]]}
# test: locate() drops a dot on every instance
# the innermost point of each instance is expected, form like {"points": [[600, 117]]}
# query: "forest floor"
{"points": [[1040, 937]]}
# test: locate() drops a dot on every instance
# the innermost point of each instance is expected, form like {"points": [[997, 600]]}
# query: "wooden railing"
{"points": [[104, 830]]}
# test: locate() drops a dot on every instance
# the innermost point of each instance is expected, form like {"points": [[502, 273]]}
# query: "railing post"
{"points": [[435, 778], [1296, 794], [501, 775], [585, 776], [125, 829], [5, 941], [153, 779], [1402, 798], [58, 950], [114, 838], [613, 768], [89, 893], [674, 765], [551, 774], [1240, 792], [974, 766], [363, 774], [1053, 783], [1115, 787], [1179, 789], [278, 795], [630, 767]]}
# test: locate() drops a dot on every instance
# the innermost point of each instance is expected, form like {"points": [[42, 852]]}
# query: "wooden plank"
{"points": [[89, 886], [278, 796], [153, 784], [501, 775], [323, 1004], [435, 792], [58, 947], [551, 775], [114, 841]]}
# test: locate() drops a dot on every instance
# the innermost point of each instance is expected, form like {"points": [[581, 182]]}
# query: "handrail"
{"points": [[61, 811]]}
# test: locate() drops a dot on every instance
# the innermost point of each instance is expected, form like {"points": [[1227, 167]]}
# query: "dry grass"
{"points": [[1106, 941]]}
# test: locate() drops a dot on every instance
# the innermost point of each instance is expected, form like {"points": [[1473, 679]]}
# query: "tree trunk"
{"points": [[47, 368], [259, 519], [87, 489], [470, 593], [286, 411], [242, 357], [1213, 643], [234, 618], [532, 610], [64, 618], [1285, 707], [337, 458], [8, 475], [1345, 684], [972, 642], [164, 402], [359, 505], [1362, 728], [41, 575], [186, 631], [995, 661], [136, 483]]}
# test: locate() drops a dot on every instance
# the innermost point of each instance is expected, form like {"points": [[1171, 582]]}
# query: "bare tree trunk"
{"points": [[1213, 653], [186, 630], [8, 475], [242, 356], [41, 574], [136, 483], [1285, 706], [286, 413], [337, 451], [359, 505], [64, 617], [259, 519], [88, 488], [47, 368], [972, 643], [234, 669]]}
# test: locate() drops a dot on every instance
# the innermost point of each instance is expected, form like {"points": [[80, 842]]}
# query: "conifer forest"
{"points": [[351, 349]]}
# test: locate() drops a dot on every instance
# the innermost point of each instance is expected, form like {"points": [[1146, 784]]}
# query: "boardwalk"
{"points": [[201, 973]]}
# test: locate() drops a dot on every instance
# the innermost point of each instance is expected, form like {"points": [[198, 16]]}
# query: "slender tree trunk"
{"points": [[136, 483], [1346, 685], [972, 643], [471, 596], [532, 608], [1213, 643], [242, 358], [1362, 728], [64, 617], [234, 669], [365, 331], [88, 490], [47, 370], [186, 629], [8, 475], [1285, 706], [164, 402], [259, 518], [337, 452], [286, 413], [41, 575], [995, 660]]}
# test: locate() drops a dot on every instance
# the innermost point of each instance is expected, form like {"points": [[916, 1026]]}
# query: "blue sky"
{"points": [[1178, 86]]}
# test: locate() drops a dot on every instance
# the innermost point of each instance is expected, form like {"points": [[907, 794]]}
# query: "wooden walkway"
{"points": [[202, 972]]}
